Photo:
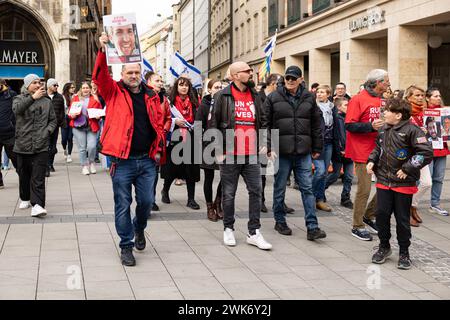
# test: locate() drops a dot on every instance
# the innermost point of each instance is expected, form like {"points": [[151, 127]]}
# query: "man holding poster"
{"points": [[123, 45]]}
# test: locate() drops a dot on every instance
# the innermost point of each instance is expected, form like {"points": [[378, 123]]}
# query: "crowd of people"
{"points": [[322, 135]]}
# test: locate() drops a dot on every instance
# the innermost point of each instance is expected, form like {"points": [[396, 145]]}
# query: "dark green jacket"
{"points": [[35, 121]]}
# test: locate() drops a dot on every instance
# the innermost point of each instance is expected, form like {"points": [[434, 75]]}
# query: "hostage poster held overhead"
{"points": [[437, 125], [123, 46]]}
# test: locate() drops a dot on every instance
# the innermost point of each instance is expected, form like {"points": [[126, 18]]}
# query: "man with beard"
{"points": [[238, 112]]}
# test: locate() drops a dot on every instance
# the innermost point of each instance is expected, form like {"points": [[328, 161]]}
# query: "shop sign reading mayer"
{"points": [[21, 53], [373, 17]]}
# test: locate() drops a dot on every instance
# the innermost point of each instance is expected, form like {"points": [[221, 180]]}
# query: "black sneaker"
{"points": [[371, 225], [347, 204], [316, 234], [2, 186], [288, 210], [139, 241], [381, 255], [283, 229], [362, 234], [155, 207], [404, 263], [193, 205], [127, 257], [263, 207], [47, 173], [165, 197], [52, 169]]}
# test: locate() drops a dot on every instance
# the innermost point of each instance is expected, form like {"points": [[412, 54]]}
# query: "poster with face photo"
{"points": [[123, 46], [433, 125], [445, 121]]}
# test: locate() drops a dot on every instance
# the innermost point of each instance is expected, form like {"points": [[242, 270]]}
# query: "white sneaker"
{"points": [[228, 237], [258, 240], [85, 171], [69, 159], [439, 211], [24, 205], [37, 211], [65, 154], [92, 168]]}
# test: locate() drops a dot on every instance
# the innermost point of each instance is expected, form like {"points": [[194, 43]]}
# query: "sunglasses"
{"points": [[56, 85], [289, 78]]}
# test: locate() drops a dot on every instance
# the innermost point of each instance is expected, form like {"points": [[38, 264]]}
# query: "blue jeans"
{"points": [[303, 176], [87, 145], [347, 179], [437, 168], [142, 174], [321, 171]]}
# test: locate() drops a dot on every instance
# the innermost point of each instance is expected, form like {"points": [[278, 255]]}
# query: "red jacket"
{"points": [[362, 110], [442, 152], [93, 104], [119, 123]]}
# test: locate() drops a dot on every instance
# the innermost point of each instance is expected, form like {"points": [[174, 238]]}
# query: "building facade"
{"points": [[221, 37], [201, 31], [50, 38], [250, 32], [187, 43], [343, 40]]}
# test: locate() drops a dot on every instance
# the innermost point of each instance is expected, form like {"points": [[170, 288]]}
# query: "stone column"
{"points": [[408, 57], [295, 61], [278, 66], [320, 66]]}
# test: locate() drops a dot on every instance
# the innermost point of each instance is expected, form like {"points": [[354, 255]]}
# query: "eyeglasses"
{"points": [[217, 87]]}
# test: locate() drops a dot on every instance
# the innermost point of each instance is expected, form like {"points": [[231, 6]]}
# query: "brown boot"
{"points": [[218, 207], [212, 216], [323, 206], [413, 222], [415, 214]]}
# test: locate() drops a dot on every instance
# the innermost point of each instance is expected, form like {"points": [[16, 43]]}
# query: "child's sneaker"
{"points": [[381, 255], [404, 263]]}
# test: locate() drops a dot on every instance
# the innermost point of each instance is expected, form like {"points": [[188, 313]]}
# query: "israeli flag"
{"points": [[146, 67], [179, 67]]}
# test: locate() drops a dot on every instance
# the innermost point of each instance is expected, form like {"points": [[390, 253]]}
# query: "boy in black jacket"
{"points": [[401, 151]]}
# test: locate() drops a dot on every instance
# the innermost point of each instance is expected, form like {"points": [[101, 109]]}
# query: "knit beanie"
{"points": [[51, 82], [29, 79]]}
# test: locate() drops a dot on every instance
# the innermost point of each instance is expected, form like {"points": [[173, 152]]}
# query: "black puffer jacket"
{"points": [[400, 147], [7, 119], [299, 122], [58, 107]]}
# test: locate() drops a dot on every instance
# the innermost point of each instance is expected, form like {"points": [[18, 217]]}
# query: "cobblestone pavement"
{"points": [[73, 253]]}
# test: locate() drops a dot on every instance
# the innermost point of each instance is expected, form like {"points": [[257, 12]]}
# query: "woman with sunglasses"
{"points": [[215, 211]]}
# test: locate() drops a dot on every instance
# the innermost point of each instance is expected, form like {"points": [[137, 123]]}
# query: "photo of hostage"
{"points": [[433, 129], [124, 40]]}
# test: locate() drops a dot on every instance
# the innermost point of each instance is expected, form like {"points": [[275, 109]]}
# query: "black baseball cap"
{"points": [[293, 71]]}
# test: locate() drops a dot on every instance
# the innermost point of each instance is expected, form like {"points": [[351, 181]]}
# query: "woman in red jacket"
{"points": [[416, 97], [85, 129], [439, 163]]}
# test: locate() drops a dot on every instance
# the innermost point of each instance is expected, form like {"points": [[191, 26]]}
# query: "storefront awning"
{"points": [[19, 72]]}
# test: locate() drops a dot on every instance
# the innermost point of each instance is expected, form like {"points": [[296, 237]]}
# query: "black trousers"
{"points": [[263, 182], [229, 174], [31, 169], [208, 186], [52, 150], [190, 184], [8, 144], [400, 204]]}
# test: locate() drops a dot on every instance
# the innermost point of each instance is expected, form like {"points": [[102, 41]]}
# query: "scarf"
{"points": [[417, 114], [185, 108], [327, 110]]}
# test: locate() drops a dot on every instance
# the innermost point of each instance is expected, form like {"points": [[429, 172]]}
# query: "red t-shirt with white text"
{"points": [[245, 138]]}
